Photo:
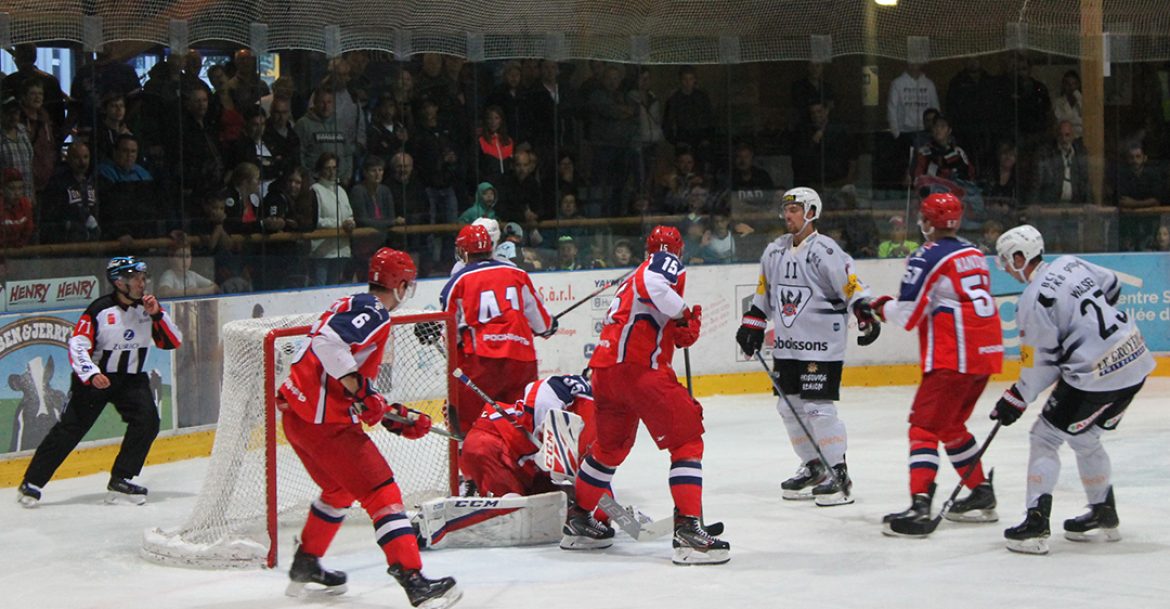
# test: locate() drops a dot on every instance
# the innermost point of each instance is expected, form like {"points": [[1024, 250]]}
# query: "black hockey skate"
{"points": [[28, 495], [837, 489], [426, 593], [308, 578], [915, 517], [977, 506], [800, 486], [124, 491], [584, 532], [693, 545], [1098, 524], [1031, 535]]}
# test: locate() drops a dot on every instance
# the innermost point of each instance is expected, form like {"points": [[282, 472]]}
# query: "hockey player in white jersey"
{"points": [[807, 288], [1071, 334], [503, 252]]}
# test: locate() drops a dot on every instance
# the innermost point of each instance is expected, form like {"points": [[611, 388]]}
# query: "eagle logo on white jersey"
{"points": [[792, 301]]}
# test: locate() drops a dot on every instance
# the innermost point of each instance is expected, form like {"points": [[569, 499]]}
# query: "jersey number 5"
{"points": [[489, 307], [975, 286]]}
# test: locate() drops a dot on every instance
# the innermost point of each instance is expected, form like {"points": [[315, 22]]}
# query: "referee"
{"points": [[108, 353]]}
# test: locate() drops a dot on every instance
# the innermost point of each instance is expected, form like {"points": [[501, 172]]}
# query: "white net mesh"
{"points": [[228, 527], [643, 31]]}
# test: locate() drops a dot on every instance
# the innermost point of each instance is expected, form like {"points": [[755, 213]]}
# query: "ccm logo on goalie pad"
{"points": [[477, 503]]}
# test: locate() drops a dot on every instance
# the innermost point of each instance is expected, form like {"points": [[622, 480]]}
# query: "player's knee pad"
{"points": [[338, 499], [1086, 443], [921, 434], [689, 451], [1044, 436], [383, 500], [610, 457]]}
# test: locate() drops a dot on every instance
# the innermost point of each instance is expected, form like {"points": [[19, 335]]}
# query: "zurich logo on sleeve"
{"points": [[128, 335]]}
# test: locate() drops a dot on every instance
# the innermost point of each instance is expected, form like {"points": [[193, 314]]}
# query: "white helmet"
{"points": [[1024, 240], [493, 229], [804, 197]]}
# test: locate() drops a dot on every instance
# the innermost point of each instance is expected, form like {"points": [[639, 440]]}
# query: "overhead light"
{"points": [[886, 2]]}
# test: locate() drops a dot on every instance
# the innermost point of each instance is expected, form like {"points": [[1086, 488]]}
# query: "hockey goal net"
{"points": [[255, 482]]}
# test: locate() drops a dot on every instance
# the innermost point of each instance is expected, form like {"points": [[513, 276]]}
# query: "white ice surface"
{"points": [[73, 552]]}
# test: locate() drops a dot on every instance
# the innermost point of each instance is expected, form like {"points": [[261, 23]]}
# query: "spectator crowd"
{"points": [[203, 154]]}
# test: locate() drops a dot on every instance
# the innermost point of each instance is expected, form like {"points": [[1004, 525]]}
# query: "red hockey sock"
{"points": [[686, 478], [923, 460], [962, 454], [396, 538], [322, 525], [592, 482]]}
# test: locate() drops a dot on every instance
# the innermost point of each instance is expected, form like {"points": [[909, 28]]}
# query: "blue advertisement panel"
{"points": [[1145, 296]]}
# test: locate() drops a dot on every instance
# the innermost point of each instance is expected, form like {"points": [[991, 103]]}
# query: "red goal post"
{"points": [[255, 483]]}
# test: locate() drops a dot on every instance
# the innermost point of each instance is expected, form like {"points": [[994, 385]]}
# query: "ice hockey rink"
{"points": [[74, 552]]}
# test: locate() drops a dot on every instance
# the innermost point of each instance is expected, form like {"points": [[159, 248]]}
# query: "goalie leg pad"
{"points": [[483, 522]]}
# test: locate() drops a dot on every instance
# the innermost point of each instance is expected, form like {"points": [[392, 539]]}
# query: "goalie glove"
{"points": [[1010, 407], [368, 405], [750, 335], [419, 426], [868, 326], [429, 333], [686, 328]]}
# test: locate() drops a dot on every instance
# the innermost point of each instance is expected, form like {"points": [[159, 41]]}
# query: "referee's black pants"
{"points": [[131, 396]]}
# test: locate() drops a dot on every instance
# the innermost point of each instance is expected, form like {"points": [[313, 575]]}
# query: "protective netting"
{"points": [[228, 527], [644, 31]]}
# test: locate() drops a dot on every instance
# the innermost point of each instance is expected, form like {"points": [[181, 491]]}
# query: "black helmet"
{"points": [[121, 267]]}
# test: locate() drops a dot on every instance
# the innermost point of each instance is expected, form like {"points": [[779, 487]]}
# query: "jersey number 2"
{"points": [[1102, 330], [489, 307]]}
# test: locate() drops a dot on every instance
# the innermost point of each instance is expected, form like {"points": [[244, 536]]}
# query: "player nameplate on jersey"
{"points": [[793, 299]]}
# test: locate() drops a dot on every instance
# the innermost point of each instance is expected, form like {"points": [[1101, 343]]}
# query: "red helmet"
{"points": [[474, 239], [942, 210], [390, 267], [664, 238]]}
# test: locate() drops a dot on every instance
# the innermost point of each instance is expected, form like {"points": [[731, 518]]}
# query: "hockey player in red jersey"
{"points": [[633, 381], [501, 459], [324, 399], [946, 295], [498, 314]]}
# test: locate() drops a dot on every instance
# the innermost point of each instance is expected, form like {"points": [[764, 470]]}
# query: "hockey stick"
{"points": [[596, 292], [922, 529], [687, 366], [463, 378], [808, 434], [631, 524], [390, 416]]}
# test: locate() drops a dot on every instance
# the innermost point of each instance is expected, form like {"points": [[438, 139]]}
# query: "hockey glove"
{"points": [[428, 333], [419, 427], [552, 329], [750, 335], [1010, 407], [876, 306], [368, 404], [868, 326], [686, 328]]}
